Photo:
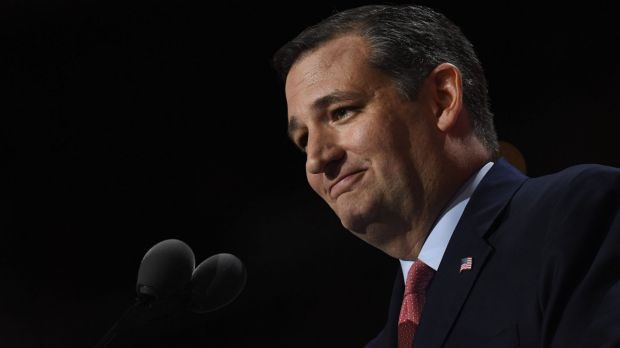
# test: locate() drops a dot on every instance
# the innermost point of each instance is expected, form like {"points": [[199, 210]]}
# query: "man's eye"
{"points": [[341, 113]]}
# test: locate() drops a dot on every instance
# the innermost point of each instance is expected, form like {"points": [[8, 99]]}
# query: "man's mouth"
{"points": [[345, 183]]}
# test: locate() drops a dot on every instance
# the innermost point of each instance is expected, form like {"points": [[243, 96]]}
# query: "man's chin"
{"points": [[353, 213], [379, 235], [359, 226], [356, 223]]}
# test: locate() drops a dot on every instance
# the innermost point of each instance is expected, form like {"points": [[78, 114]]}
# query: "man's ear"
{"points": [[447, 92]]}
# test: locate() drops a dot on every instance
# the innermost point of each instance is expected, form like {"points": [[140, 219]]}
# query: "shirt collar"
{"points": [[437, 241]]}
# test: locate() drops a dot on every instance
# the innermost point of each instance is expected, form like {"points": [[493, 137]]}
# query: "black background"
{"points": [[127, 123]]}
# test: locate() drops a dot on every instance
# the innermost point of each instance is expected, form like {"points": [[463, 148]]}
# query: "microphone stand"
{"points": [[146, 318], [113, 332]]}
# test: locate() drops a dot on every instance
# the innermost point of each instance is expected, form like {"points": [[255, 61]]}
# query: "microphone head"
{"points": [[165, 269], [216, 282]]}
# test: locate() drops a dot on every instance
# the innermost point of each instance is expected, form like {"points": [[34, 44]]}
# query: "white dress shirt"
{"points": [[437, 241]]}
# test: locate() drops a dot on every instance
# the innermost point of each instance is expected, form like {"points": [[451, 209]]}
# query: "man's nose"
{"points": [[323, 153]]}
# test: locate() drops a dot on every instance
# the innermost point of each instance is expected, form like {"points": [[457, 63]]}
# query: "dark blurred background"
{"points": [[127, 123]]}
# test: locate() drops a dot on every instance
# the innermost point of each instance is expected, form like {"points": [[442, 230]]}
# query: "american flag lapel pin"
{"points": [[466, 264]]}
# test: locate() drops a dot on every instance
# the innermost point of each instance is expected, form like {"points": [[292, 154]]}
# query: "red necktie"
{"points": [[418, 279]]}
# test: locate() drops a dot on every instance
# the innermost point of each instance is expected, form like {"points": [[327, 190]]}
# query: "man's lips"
{"points": [[344, 183]]}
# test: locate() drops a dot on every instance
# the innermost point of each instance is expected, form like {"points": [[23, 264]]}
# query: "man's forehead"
{"points": [[332, 52], [324, 70]]}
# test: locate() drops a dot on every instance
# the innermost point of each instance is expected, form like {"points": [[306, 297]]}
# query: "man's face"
{"points": [[372, 155]]}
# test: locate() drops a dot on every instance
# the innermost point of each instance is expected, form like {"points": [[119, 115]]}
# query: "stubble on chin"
{"points": [[384, 229], [354, 210]]}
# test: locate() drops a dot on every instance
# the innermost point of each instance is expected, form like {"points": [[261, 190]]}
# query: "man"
{"points": [[389, 103]]}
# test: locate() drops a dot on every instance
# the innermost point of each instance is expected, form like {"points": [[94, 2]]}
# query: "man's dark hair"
{"points": [[406, 43]]}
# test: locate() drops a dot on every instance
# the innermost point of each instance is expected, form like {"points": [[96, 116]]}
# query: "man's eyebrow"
{"points": [[321, 103]]}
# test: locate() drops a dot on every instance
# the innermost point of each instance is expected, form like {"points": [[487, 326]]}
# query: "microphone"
{"points": [[216, 282], [168, 283], [165, 269]]}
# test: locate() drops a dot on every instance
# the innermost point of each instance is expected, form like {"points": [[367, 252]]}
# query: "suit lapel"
{"points": [[450, 288]]}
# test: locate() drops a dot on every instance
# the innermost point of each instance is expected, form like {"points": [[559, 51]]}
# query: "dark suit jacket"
{"points": [[546, 266]]}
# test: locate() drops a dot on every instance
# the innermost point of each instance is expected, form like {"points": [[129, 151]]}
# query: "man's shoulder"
{"points": [[565, 199], [583, 187], [581, 171], [580, 178]]}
